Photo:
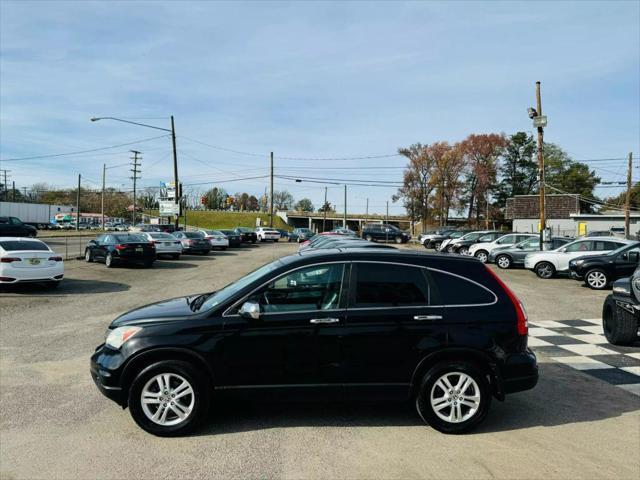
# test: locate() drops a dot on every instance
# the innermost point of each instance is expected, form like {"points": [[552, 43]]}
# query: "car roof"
{"points": [[19, 239], [380, 254]]}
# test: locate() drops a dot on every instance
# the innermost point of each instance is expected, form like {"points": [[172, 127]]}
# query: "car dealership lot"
{"points": [[55, 424]]}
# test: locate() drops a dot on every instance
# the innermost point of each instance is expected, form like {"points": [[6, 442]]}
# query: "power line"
{"points": [[592, 201]]}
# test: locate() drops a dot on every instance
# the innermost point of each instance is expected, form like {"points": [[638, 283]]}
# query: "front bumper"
{"points": [[520, 372], [105, 376], [575, 275]]}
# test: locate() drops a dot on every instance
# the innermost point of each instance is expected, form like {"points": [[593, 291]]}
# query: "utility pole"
{"points": [[366, 212], [4, 184], [271, 191], [386, 229], [13, 192], [175, 171], [543, 222], [104, 173], [627, 205], [135, 177], [78, 204], [324, 213], [344, 220]]}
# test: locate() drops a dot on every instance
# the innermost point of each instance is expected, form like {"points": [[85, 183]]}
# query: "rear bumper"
{"points": [[520, 372]]}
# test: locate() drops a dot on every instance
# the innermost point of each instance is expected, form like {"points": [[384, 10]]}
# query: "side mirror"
{"points": [[250, 310]]}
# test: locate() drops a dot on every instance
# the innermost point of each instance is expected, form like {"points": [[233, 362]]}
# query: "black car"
{"points": [[247, 235], [600, 270], [14, 227], [442, 331], [120, 248], [234, 239], [621, 311], [462, 247], [382, 232], [193, 242]]}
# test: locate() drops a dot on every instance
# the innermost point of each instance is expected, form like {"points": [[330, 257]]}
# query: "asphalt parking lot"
{"points": [[55, 424]]}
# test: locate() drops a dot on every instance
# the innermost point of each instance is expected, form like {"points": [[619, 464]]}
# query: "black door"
{"points": [[292, 349], [626, 262], [390, 327]]}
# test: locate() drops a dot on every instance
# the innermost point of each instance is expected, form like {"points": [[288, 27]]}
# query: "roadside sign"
{"points": [[168, 208], [540, 121]]}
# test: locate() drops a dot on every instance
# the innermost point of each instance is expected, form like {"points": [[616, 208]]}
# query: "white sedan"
{"points": [[265, 234], [216, 239], [548, 262], [166, 244], [482, 250], [25, 260]]}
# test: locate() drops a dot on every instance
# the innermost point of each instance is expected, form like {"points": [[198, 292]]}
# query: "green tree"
{"points": [[620, 200], [282, 200], [216, 199], [326, 207], [518, 168], [304, 205]]}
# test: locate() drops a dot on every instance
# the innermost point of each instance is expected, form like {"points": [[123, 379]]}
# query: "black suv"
{"points": [[621, 311], [600, 270], [14, 227], [381, 232], [443, 332]]}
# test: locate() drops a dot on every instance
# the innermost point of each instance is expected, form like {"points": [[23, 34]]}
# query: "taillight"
{"points": [[521, 314], [55, 259], [120, 247], [10, 259]]}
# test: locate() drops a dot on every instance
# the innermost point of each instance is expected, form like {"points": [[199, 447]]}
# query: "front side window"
{"points": [[15, 221], [387, 285], [506, 240], [530, 244], [580, 246], [307, 289], [456, 290]]}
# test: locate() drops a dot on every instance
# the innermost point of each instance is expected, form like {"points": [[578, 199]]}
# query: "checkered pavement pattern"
{"points": [[581, 344]]}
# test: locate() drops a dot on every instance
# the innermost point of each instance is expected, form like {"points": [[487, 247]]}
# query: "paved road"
{"points": [[54, 423]]}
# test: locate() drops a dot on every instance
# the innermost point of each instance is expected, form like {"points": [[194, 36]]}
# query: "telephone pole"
{"points": [[104, 173], [78, 204], [175, 170], [627, 205], [5, 186], [543, 221], [135, 178], [324, 211], [344, 220], [13, 192], [271, 191]]}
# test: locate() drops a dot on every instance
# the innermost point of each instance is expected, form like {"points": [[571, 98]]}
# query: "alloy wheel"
{"points": [[596, 279], [167, 399], [544, 270], [455, 397], [482, 256], [503, 261], [436, 246]]}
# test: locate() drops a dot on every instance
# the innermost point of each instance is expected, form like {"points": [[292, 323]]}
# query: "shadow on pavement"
{"points": [[66, 286], [170, 265]]}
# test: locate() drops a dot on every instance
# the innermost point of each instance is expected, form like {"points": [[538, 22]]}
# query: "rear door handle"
{"points": [[427, 317], [324, 320]]}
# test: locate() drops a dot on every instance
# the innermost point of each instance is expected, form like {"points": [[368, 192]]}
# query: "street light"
{"points": [[173, 141]]}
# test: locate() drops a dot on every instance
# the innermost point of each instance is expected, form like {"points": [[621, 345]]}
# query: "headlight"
{"points": [[577, 263], [117, 336]]}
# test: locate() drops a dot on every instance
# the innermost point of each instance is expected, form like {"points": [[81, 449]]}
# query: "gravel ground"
{"points": [[55, 424]]}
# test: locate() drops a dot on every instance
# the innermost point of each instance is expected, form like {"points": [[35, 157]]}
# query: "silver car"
{"points": [[166, 244]]}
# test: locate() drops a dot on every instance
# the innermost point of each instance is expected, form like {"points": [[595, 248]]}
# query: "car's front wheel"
{"points": [[545, 270], [168, 398], [398, 240], [482, 255], [436, 246], [596, 279], [108, 260], [463, 250], [87, 256], [503, 261], [454, 397], [368, 238]]}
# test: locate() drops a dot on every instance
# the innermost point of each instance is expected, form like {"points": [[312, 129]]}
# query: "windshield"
{"points": [[230, 290], [161, 235], [624, 247], [244, 230], [471, 236], [193, 235]]}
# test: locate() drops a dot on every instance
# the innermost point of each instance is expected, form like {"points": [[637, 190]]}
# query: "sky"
{"points": [[317, 83]]}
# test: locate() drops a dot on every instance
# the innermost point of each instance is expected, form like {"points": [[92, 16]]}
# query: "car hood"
{"points": [[166, 310]]}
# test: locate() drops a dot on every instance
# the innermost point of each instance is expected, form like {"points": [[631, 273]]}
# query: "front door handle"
{"points": [[427, 317], [324, 320]]}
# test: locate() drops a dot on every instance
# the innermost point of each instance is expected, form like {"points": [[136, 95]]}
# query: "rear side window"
{"points": [[606, 245], [456, 290], [12, 246], [387, 285]]}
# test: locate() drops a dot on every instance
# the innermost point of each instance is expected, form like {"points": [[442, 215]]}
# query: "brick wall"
{"points": [[528, 206]]}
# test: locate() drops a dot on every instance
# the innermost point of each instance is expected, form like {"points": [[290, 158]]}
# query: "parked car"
{"points": [[439, 243], [247, 235], [168, 228], [166, 244], [427, 239], [14, 227], [145, 227], [300, 235], [599, 233], [462, 245], [382, 232], [481, 250], [621, 311], [234, 239], [325, 241], [598, 271], [343, 243], [514, 255], [283, 233], [443, 332], [29, 261], [216, 239], [549, 262], [344, 231], [119, 249], [193, 242], [265, 234], [448, 245]]}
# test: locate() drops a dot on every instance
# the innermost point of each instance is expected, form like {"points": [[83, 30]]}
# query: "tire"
{"points": [[503, 261], [596, 279], [449, 249], [620, 327], [398, 240], [463, 250], [476, 393], [108, 260], [87, 256], [368, 238], [545, 270], [482, 255], [148, 264], [194, 406], [436, 246]]}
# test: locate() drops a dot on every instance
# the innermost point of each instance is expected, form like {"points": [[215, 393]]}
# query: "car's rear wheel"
{"points": [[108, 260], [482, 255], [463, 250], [398, 240], [437, 245], [454, 397], [596, 279], [169, 398], [87, 256], [450, 249], [368, 238], [545, 270], [620, 327], [503, 261]]}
